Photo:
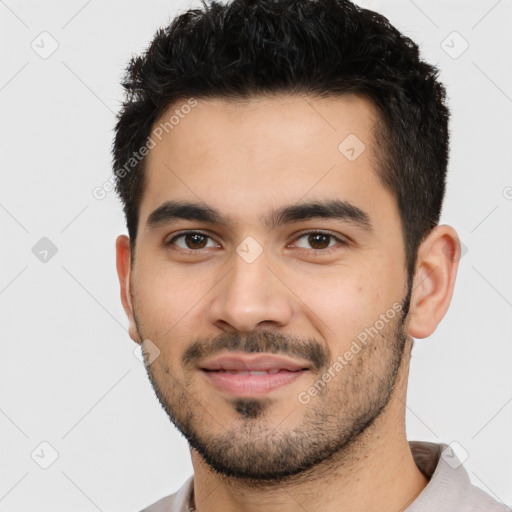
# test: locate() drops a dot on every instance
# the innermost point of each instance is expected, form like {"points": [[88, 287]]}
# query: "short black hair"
{"points": [[320, 48]]}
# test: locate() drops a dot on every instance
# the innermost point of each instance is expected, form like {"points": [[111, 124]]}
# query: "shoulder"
{"points": [[449, 487], [162, 505]]}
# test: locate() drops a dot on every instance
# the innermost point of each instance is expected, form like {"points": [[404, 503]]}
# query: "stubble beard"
{"points": [[253, 447]]}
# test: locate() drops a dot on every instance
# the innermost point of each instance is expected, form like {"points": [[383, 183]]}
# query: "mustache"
{"points": [[261, 341]]}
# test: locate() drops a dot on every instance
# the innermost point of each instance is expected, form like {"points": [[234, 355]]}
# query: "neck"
{"points": [[383, 477]]}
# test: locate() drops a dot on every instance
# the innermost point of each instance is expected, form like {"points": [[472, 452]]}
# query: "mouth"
{"points": [[250, 372], [252, 375]]}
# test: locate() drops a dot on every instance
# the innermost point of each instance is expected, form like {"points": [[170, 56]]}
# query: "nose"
{"points": [[251, 296]]}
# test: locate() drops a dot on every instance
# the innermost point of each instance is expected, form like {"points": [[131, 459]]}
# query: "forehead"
{"points": [[216, 125], [242, 156]]}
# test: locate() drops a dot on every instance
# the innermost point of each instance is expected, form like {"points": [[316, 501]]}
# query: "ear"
{"points": [[123, 264], [434, 280]]}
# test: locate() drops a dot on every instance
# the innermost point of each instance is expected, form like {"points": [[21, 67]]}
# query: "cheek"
{"points": [[170, 307], [338, 305], [343, 305], [164, 296]]}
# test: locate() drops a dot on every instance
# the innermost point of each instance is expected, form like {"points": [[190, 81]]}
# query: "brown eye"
{"points": [[319, 241], [193, 240]]}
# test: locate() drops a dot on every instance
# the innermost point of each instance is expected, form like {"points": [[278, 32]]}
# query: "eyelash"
{"points": [[315, 251]]}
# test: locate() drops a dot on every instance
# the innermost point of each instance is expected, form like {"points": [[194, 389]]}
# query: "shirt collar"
{"points": [[449, 484]]}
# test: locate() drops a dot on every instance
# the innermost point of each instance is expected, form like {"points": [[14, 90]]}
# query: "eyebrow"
{"points": [[171, 211]]}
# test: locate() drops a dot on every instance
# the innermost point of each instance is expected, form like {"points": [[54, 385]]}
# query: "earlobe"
{"points": [[434, 280], [123, 264]]}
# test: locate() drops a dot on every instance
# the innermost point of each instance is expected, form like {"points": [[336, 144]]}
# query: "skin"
{"points": [[346, 449]]}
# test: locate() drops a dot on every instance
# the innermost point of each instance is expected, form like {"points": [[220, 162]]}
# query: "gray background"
{"points": [[68, 373]]}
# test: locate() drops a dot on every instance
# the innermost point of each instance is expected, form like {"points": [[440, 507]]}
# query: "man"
{"points": [[282, 168]]}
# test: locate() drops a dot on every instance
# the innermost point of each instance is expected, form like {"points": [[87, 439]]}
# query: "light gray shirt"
{"points": [[448, 490]]}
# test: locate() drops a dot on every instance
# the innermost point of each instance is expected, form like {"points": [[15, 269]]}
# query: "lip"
{"points": [[254, 362], [230, 373]]}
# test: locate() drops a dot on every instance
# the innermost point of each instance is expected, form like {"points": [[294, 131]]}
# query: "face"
{"points": [[270, 281]]}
